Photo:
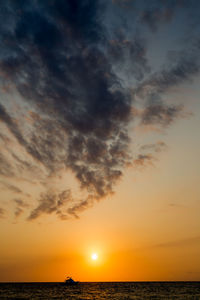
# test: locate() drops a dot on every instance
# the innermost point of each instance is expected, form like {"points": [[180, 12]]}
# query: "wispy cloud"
{"points": [[20, 206], [11, 187], [159, 146], [2, 213], [180, 243], [51, 202]]}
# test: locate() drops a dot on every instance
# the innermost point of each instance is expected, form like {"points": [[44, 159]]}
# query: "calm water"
{"points": [[111, 290]]}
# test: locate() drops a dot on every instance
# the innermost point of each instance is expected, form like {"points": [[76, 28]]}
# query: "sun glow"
{"points": [[94, 256]]}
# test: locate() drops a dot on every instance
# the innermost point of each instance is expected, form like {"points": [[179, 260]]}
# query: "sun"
{"points": [[94, 256]]}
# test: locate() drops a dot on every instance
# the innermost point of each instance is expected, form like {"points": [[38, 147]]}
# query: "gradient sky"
{"points": [[99, 140]]}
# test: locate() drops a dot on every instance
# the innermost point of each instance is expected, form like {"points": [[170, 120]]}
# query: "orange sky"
{"points": [[145, 224], [148, 230]]}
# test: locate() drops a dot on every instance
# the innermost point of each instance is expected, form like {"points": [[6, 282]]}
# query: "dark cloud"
{"points": [[161, 114], [155, 14], [51, 202], [182, 67], [55, 62], [129, 56], [79, 207], [76, 77], [153, 17], [13, 127]]}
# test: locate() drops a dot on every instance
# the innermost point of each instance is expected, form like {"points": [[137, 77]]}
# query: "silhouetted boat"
{"points": [[70, 281]]}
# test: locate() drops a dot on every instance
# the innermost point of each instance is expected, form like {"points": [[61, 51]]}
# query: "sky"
{"points": [[99, 140]]}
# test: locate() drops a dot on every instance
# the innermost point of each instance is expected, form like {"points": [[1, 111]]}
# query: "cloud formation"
{"points": [[73, 79]]}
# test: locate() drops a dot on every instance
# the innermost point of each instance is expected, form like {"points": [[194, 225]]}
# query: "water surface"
{"points": [[102, 290]]}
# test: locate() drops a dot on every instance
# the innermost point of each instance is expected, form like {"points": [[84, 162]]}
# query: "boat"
{"points": [[69, 281]]}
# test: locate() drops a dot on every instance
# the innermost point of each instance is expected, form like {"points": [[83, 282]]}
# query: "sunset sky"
{"points": [[99, 140]]}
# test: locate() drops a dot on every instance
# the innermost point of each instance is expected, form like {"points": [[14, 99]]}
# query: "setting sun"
{"points": [[94, 256]]}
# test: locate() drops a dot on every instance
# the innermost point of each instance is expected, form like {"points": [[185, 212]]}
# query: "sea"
{"points": [[101, 290]]}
